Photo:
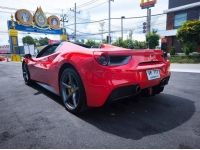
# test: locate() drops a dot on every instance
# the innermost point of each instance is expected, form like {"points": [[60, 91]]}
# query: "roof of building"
{"points": [[184, 7]]}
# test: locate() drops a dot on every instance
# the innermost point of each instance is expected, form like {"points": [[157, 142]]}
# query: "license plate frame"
{"points": [[153, 74]]}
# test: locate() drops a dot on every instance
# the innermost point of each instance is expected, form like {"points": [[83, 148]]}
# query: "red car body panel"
{"points": [[98, 80]]}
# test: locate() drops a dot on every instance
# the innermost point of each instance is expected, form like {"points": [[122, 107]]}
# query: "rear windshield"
{"points": [[86, 46]]}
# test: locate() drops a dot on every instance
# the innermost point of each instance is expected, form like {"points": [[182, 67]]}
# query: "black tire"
{"points": [[26, 74], [72, 91]]}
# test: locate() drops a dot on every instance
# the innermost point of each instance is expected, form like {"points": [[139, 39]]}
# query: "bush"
{"points": [[131, 44], [140, 44], [185, 59], [188, 48], [188, 35], [173, 51], [152, 39]]}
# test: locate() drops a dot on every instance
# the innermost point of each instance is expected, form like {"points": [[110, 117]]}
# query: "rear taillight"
{"points": [[103, 60], [110, 59]]}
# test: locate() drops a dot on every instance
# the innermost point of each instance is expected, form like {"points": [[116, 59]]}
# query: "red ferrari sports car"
{"points": [[88, 77]]}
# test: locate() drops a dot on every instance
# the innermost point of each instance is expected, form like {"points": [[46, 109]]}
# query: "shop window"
{"points": [[179, 19]]}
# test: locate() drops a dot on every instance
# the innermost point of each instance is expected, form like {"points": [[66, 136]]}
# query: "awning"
{"points": [[168, 33]]}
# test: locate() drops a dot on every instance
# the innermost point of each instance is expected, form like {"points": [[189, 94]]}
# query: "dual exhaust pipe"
{"points": [[137, 90]]}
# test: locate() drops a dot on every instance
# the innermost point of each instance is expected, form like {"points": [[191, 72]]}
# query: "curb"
{"points": [[184, 70]]}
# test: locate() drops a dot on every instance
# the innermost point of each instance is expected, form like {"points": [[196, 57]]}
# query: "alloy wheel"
{"points": [[70, 90]]}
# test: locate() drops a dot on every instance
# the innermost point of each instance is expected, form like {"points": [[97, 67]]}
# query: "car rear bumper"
{"points": [[113, 84], [132, 90]]}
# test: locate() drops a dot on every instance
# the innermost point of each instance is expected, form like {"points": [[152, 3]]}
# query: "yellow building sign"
{"points": [[147, 3]]}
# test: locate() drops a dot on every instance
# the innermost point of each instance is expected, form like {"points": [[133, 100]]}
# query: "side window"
{"points": [[47, 51], [180, 19]]}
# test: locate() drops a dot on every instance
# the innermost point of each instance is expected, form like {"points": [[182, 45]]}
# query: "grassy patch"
{"points": [[185, 59]]}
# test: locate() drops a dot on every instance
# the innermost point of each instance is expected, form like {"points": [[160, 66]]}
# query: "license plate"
{"points": [[153, 74]]}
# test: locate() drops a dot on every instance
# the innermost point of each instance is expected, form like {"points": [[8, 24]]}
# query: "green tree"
{"points": [[92, 43], [139, 44], [28, 40], [119, 42], [152, 39], [104, 41], [189, 35], [128, 44], [43, 41]]}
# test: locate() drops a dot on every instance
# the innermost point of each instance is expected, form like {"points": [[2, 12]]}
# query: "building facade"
{"points": [[178, 13]]}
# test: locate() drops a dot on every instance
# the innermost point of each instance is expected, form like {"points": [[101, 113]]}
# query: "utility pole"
{"points": [[75, 12], [122, 30], [131, 34], [101, 30], [109, 21], [63, 19], [148, 20]]}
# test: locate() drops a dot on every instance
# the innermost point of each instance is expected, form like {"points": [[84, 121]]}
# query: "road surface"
{"points": [[31, 117]]}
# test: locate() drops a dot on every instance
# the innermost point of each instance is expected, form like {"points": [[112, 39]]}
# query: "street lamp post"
{"points": [[63, 19], [122, 30], [102, 30], [109, 21]]}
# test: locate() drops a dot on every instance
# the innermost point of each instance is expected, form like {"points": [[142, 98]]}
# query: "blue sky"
{"points": [[95, 11]]}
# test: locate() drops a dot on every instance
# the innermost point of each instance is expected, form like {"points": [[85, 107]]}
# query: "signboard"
{"points": [[45, 30], [38, 23], [147, 3], [4, 49]]}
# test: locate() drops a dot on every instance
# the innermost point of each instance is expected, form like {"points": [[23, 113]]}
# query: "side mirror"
{"points": [[28, 56]]}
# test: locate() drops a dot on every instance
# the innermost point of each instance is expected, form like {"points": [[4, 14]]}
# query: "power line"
{"points": [[87, 3], [96, 21], [99, 33], [100, 4], [7, 12], [15, 9]]}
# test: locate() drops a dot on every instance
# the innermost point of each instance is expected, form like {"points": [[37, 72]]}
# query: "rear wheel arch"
{"points": [[63, 67], [61, 71]]}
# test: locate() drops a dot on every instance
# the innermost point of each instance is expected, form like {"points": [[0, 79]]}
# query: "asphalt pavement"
{"points": [[31, 117]]}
